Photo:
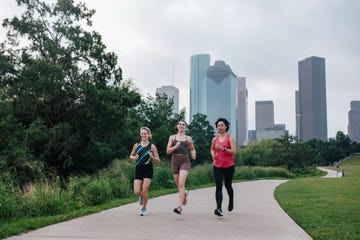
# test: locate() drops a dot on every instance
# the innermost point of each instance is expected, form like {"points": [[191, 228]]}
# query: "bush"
{"points": [[98, 191], [261, 172], [43, 199], [9, 203], [163, 178], [201, 174]]}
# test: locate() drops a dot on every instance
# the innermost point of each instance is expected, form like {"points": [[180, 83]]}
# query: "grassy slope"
{"points": [[327, 208]]}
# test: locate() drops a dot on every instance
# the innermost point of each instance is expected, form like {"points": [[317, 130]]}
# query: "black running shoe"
{"points": [[218, 212], [231, 205], [178, 210]]}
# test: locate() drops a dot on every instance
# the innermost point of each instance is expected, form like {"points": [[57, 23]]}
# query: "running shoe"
{"points": [[140, 200], [178, 210], [218, 212], [143, 212]]}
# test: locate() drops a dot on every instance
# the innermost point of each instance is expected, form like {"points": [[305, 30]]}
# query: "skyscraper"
{"points": [[312, 115], [265, 123], [264, 115], [199, 66], [222, 95], [242, 112], [172, 93], [354, 121]]}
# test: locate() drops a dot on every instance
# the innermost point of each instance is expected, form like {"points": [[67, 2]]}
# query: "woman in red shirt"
{"points": [[223, 149]]}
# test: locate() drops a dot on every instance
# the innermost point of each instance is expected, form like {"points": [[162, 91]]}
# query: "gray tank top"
{"points": [[183, 148]]}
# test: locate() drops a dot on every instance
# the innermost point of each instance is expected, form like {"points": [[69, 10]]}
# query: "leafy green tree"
{"points": [[156, 113], [202, 134], [63, 91], [295, 155]]}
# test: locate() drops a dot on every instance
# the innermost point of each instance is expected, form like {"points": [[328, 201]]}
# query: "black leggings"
{"points": [[227, 174]]}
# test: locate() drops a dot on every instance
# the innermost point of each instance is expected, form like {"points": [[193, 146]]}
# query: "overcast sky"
{"points": [[262, 40]]}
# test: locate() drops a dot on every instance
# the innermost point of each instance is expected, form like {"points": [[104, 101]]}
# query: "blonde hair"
{"points": [[148, 131]]}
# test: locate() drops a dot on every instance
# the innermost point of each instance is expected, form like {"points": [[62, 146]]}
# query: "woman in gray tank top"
{"points": [[179, 146]]}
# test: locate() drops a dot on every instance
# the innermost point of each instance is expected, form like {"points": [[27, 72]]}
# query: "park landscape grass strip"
{"points": [[326, 208]]}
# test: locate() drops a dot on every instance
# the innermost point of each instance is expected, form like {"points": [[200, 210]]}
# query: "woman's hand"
{"points": [[219, 146], [135, 157]]}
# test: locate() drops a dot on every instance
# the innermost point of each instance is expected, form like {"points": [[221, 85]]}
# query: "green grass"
{"points": [[326, 208]]}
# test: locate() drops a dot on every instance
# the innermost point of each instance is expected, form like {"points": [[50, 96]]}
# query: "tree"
{"points": [[202, 134], [156, 113], [63, 91]]}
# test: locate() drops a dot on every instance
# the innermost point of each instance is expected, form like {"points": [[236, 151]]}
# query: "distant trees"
{"points": [[297, 156]]}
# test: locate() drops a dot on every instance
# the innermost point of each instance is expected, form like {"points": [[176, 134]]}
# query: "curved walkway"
{"points": [[256, 216], [330, 173]]}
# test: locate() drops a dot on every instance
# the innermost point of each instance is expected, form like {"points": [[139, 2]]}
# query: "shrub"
{"points": [[163, 178], [201, 174], [43, 199], [98, 191], [9, 202]]}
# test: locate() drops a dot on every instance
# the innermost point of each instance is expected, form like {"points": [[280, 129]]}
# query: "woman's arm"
{"points": [[212, 149], [133, 155], [169, 148], [192, 148], [154, 154], [232, 150]]}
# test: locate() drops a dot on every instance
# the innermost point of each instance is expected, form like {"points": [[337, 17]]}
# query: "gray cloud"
{"points": [[261, 40]]}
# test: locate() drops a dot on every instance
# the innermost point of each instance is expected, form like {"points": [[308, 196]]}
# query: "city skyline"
{"points": [[261, 40]]}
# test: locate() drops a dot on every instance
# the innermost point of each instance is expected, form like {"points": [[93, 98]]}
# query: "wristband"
{"points": [[224, 150]]}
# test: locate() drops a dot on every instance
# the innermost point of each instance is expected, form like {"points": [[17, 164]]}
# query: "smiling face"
{"points": [[181, 126], [145, 134]]}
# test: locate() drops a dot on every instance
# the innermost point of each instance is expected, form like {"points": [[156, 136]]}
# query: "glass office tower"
{"points": [[199, 66], [311, 99], [222, 97]]}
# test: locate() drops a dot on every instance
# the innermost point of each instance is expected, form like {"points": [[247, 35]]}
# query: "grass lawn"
{"points": [[326, 208]]}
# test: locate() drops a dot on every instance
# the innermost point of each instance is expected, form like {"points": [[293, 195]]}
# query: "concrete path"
{"points": [[330, 173], [256, 216]]}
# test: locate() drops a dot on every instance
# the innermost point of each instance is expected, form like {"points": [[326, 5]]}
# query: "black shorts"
{"points": [[144, 171]]}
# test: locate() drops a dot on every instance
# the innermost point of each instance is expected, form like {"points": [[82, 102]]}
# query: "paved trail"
{"points": [[256, 216], [330, 173]]}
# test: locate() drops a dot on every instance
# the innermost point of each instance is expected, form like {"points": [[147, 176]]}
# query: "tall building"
{"points": [[222, 95], [172, 93], [354, 121], [265, 123], [312, 115], [264, 115], [242, 112], [199, 66]]}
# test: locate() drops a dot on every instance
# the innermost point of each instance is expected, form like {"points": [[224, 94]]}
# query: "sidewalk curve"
{"points": [[256, 216], [330, 173]]}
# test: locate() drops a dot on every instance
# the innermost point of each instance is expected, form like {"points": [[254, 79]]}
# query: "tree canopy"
{"points": [[62, 95]]}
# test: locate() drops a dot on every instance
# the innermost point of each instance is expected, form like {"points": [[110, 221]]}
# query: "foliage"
{"points": [[63, 104], [298, 157], [202, 133], [156, 113]]}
